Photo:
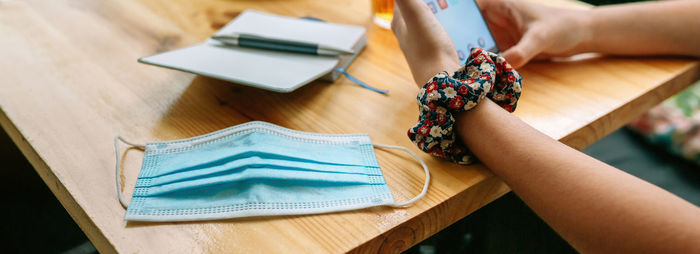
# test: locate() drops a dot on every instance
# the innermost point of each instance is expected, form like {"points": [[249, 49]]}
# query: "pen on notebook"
{"points": [[260, 42]]}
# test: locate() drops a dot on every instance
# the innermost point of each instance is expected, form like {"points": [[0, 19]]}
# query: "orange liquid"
{"points": [[383, 12]]}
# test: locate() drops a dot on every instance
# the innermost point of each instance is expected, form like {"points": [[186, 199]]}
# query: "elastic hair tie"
{"points": [[484, 74]]}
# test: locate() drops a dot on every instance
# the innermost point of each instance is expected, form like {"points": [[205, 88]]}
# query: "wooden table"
{"points": [[70, 82]]}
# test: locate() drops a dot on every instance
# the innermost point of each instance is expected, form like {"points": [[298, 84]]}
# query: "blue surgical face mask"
{"points": [[257, 169]]}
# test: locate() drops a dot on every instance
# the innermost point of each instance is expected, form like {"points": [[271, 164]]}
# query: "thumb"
{"points": [[531, 44]]}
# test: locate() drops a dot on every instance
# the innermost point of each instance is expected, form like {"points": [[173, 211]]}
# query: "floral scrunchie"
{"points": [[484, 74]]}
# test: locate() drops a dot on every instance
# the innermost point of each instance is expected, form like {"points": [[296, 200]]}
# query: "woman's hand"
{"points": [[424, 42], [525, 30]]}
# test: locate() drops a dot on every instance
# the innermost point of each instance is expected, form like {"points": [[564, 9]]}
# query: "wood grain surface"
{"points": [[70, 82]]}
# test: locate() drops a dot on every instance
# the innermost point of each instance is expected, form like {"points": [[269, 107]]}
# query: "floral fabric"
{"points": [[484, 74], [675, 124]]}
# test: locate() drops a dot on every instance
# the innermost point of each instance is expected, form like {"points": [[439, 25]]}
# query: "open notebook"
{"points": [[271, 70]]}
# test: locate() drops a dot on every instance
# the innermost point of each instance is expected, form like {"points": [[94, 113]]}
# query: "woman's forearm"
{"points": [[649, 28], [595, 207]]}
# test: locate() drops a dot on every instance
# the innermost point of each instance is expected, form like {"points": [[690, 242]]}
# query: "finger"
{"points": [[497, 18], [542, 57], [505, 37], [501, 22], [532, 43], [485, 5]]}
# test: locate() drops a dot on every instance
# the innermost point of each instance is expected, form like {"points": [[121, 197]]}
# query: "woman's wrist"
{"points": [[424, 70], [474, 117], [584, 23], [468, 123], [485, 77]]}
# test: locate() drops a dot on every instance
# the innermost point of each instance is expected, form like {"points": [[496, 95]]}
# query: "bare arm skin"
{"points": [[649, 28], [595, 207], [526, 31]]}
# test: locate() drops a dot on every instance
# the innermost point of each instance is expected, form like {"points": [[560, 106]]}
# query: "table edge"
{"points": [[86, 224], [492, 185]]}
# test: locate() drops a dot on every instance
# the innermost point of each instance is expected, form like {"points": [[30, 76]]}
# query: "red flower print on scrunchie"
{"points": [[484, 74]]}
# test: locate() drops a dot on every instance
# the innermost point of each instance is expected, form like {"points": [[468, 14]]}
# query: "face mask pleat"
{"points": [[253, 157], [258, 144], [259, 197], [327, 178], [253, 163]]}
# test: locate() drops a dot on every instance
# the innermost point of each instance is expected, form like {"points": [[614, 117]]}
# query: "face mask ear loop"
{"points": [[118, 167], [425, 168]]}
